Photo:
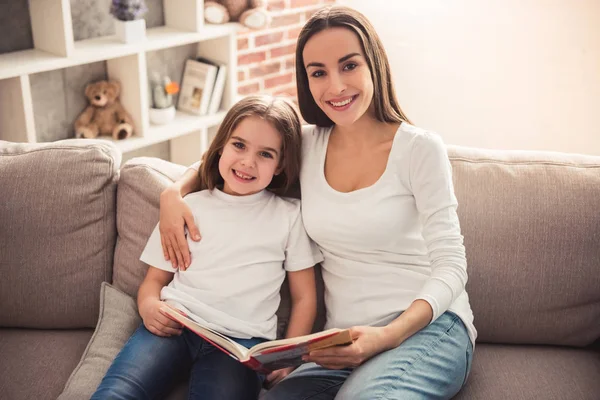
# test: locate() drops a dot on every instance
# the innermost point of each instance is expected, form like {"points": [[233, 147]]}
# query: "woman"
{"points": [[378, 199]]}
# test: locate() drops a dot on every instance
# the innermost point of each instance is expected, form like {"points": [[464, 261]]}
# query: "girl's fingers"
{"points": [[169, 331], [155, 331], [168, 322]]}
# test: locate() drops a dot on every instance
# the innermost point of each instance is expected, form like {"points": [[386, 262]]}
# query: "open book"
{"points": [[268, 356]]}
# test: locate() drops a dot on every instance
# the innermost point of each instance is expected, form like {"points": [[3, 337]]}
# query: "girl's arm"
{"points": [[303, 291], [174, 215], [149, 303]]}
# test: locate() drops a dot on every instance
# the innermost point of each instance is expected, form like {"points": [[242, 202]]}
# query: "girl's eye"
{"points": [[350, 66], [317, 74], [104, 92], [239, 145], [266, 154]]}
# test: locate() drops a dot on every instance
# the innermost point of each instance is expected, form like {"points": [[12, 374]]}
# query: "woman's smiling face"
{"points": [[338, 75]]}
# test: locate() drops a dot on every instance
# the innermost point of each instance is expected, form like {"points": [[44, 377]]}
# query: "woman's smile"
{"points": [[343, 103]]}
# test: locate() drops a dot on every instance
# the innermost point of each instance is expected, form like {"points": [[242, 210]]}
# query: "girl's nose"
{"points": [[248, 161]]}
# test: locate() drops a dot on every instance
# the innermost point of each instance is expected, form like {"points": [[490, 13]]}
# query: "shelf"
{"points": [[183, 124], [105, 48]]}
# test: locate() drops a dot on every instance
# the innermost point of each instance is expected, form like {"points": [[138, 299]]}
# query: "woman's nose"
{"points": [[336, 84]]}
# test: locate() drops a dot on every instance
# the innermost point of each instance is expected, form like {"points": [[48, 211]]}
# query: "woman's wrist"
{"points": [[393, 336]]}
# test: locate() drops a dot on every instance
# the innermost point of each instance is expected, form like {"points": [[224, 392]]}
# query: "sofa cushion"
{"points": [[57, 207], [36, 363], [117, 321], [531, 226], [142, 180], [519, 372]]}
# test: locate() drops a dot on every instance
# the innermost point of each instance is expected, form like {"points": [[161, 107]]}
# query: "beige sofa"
{"points": [[71, 217]]}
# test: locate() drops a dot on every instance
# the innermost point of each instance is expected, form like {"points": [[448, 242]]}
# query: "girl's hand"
{"points": [[174, 215], [368, 342], [157, 322], [276, 376]]}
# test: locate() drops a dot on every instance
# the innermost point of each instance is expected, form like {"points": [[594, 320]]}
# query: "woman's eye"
{"points": [[239, 145], [266, 154], [350, 66], [317, 74]]}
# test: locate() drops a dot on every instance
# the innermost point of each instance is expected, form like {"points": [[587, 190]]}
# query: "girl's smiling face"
{"points": [[250, 157], [338, 75]]}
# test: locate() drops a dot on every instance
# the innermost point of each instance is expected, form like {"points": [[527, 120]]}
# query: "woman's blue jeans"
{"points": [[432, 364], [148, 366]]}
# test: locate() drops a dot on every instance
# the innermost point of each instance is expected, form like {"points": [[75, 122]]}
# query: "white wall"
{"points": [[505, 74]]}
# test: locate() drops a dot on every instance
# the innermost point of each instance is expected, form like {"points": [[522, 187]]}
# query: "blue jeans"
{"points": [[148, 366], [432, 364]]}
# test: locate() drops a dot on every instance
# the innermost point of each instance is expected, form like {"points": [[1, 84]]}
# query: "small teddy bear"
{"points": [[105, 115], [251, 13]]}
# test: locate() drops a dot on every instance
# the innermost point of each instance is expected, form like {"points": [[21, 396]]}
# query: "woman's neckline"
{"points": [[358, 191]]}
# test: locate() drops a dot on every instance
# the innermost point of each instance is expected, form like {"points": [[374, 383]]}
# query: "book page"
{"points": [[297, 340]]}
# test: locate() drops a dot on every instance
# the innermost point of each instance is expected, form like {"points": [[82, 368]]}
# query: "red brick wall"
{"points": [[266, 57]]}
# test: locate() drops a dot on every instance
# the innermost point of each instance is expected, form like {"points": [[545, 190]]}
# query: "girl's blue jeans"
{"points": [[432, 364], [148, 366]]}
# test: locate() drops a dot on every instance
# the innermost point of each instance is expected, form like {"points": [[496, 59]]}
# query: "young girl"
{"points": [[251, 238], [378, 199]]}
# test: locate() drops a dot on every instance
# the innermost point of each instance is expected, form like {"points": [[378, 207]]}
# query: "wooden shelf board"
{"points": [[105, 48], [182, 124]]}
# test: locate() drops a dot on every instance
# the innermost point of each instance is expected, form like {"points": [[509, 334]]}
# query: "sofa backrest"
{"points": [[57, 231], [141, 182], [531, 227]]}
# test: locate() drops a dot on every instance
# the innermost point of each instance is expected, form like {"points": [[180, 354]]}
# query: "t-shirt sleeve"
{"points": [[430, 174], [153, 254], [195, 166], [300, 251]]}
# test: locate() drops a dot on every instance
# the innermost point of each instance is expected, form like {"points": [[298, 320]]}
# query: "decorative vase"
{"points": [[161, 116], [130, 31]]}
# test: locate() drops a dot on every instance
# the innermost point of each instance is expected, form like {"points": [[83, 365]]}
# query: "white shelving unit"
{"points": [[54, 48]]}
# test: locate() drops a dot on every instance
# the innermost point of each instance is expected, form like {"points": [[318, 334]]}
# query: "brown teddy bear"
{"points": [[104, 115], [251, 13]]}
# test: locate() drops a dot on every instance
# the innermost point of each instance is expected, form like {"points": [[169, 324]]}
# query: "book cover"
{"points": [[268, 356], [219, 85], [196, 87]]}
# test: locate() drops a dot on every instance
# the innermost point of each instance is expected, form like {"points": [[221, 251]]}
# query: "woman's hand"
{"points": [[274, 377], [174, 215], [368, 342], [157, 322]]}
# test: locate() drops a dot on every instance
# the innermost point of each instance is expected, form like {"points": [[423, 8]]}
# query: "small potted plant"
{"points": [[130, 27], [162, 110]]}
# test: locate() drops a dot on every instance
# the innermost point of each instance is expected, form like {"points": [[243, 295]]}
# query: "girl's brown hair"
{"points": [[387, 108], [276, 111]]}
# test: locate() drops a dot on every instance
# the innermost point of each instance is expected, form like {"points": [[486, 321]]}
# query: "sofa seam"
{"points": [[97, 146], [505, 162], [147, 167]]}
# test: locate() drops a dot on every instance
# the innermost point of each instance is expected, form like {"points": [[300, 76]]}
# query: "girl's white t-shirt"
{"points": [[389, 244], [248, 242]]}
